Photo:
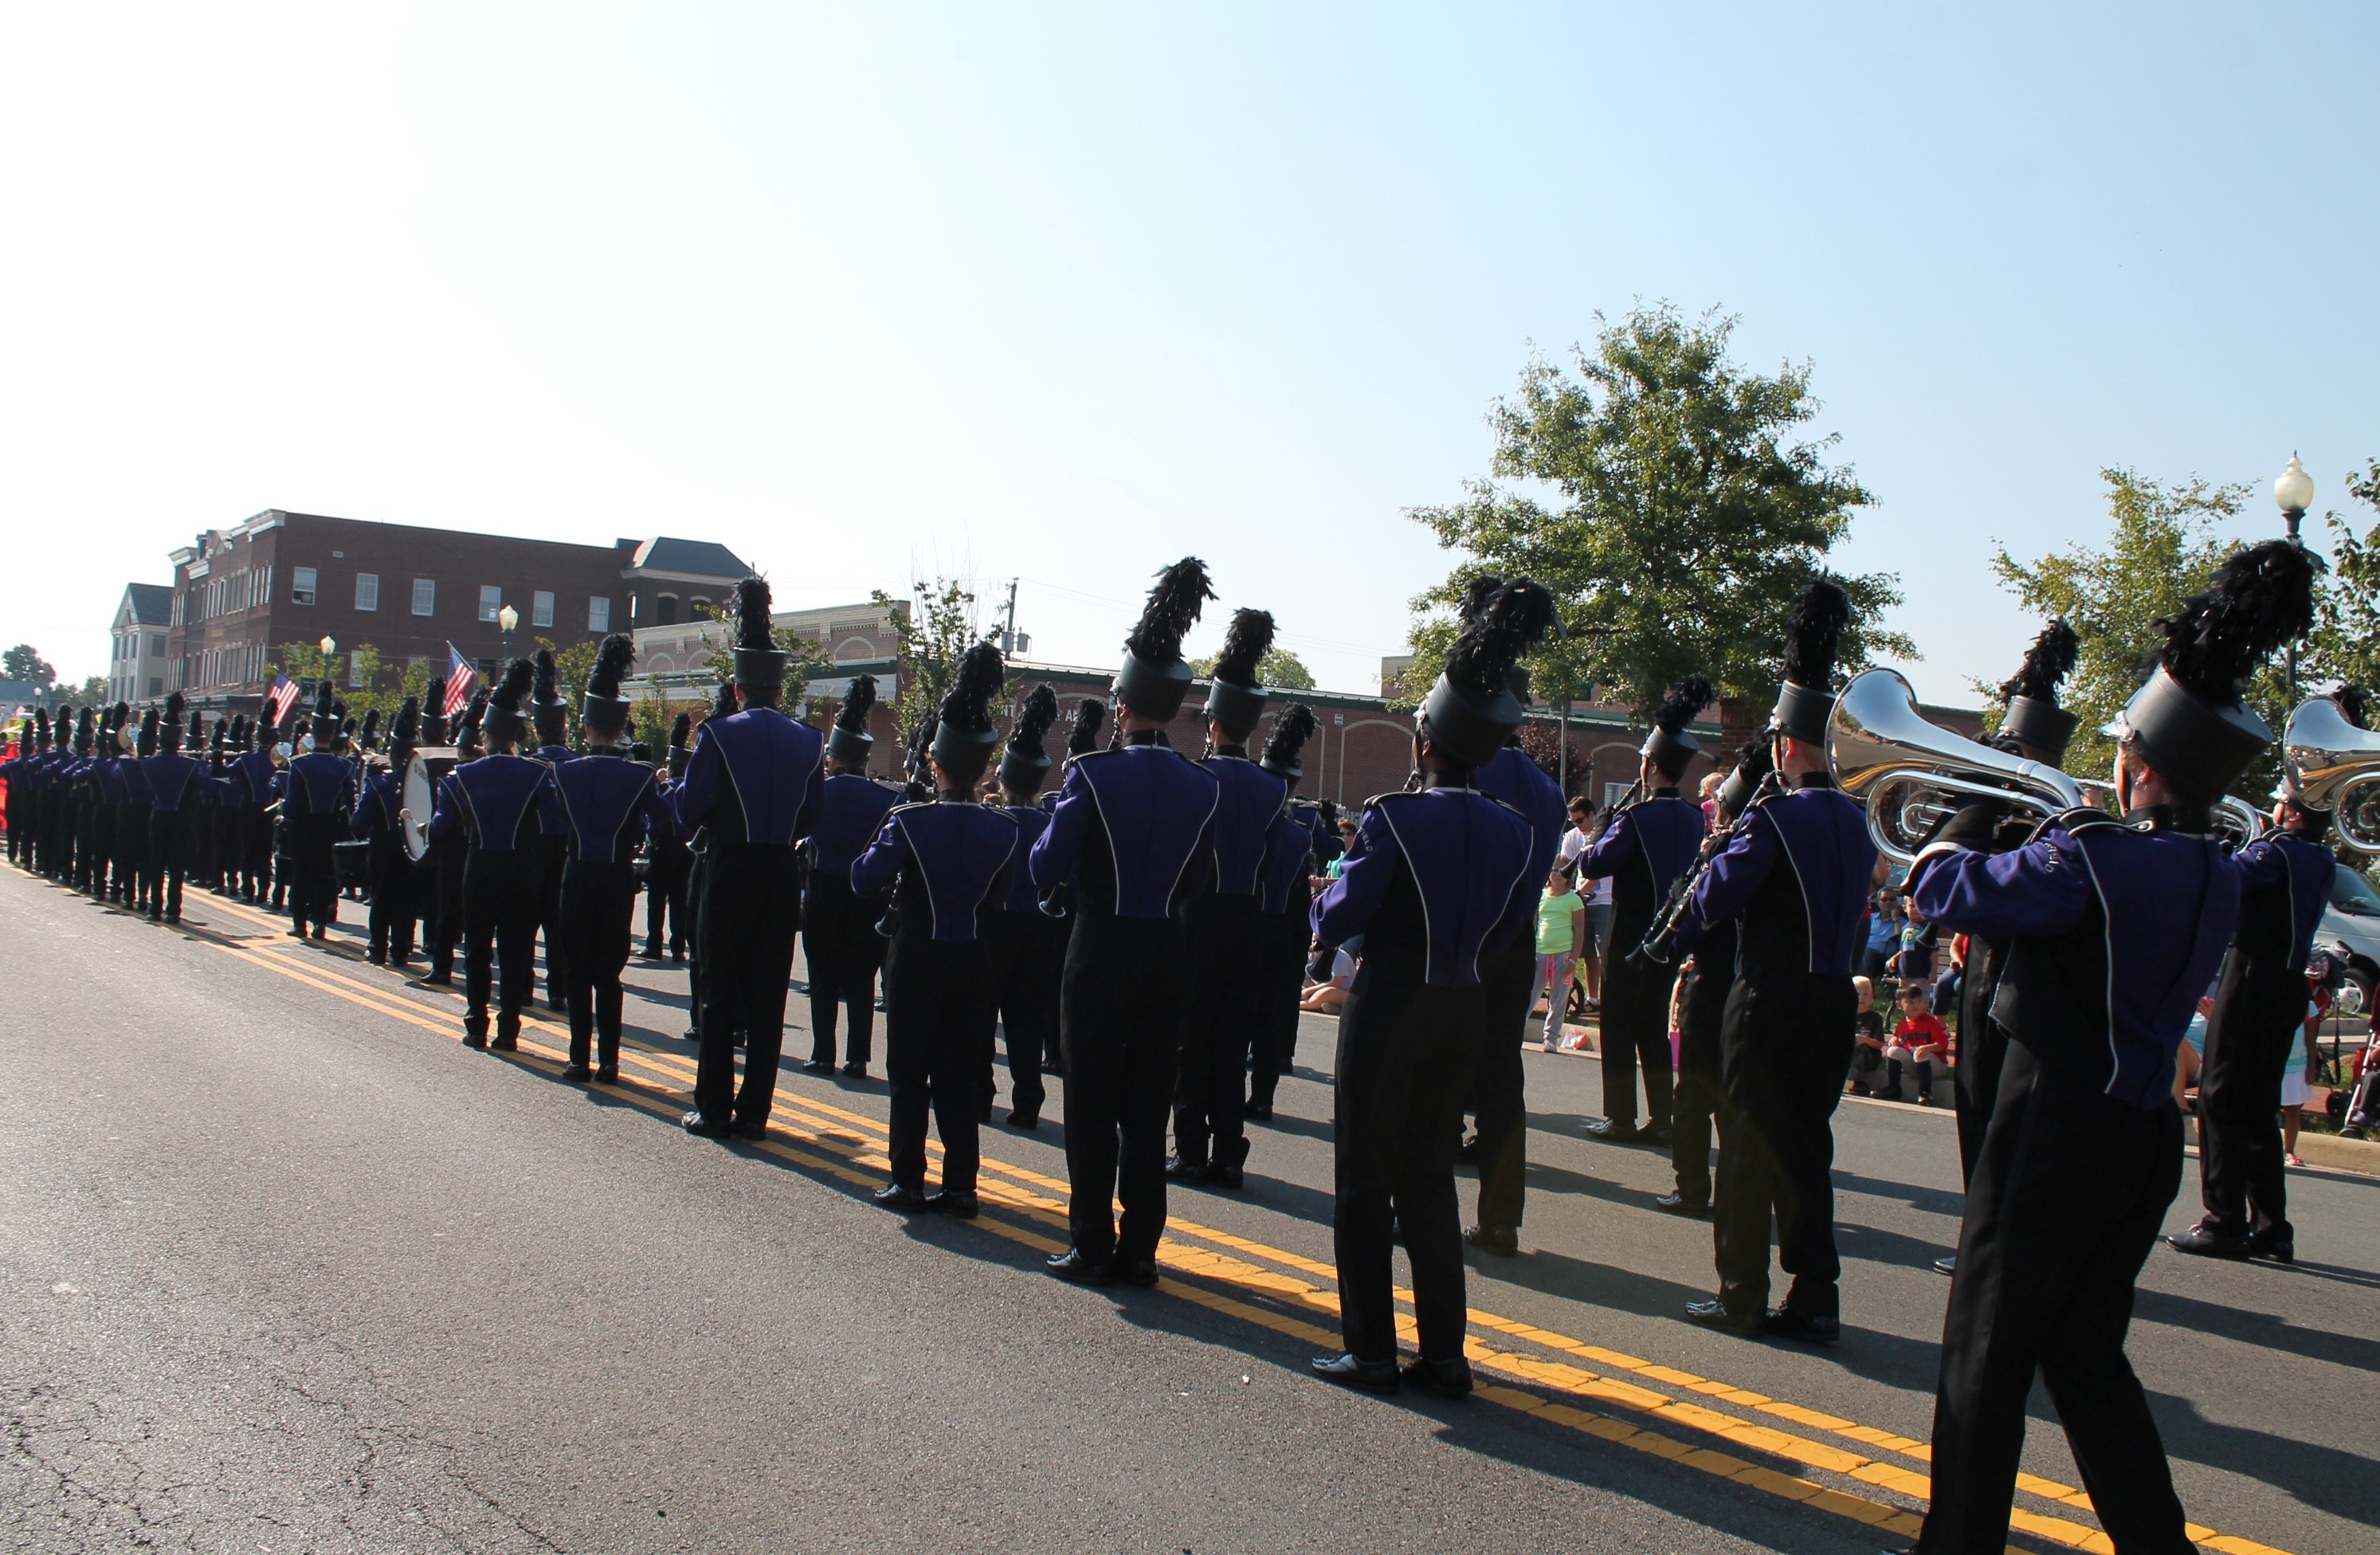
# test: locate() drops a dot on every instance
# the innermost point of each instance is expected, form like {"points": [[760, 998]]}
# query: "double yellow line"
{"points": [[847, 1147]]}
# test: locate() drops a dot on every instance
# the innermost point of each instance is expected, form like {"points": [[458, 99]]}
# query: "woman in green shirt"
{"points": [[1561, 934]]}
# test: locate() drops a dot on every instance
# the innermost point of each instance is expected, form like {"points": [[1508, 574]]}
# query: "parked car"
{"points": [[2353, 920]]}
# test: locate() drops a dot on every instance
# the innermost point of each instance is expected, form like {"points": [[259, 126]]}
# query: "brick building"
{"points": [[241, 594]]}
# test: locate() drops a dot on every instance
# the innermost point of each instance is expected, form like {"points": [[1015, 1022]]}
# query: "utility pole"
{"points": [[1008, 639]]}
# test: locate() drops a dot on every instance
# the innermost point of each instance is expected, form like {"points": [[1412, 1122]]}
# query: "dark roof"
{"points": [[702, 558], [152, 604]]}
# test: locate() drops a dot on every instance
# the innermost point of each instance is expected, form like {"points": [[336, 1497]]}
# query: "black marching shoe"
{"points": [[1259, 1111], [2207, 1244], [577, 1071], [1715, 1314], [960, 1203], [1502, 1240], [1814, 1328], [1349, 1371], [608, 1075], [1025, 1119], [475, 1037], [703, 1127], [1612, 1131], [1072, 1266], [751, 1128], [819, 1066], [1232, 1178], [855, 1071], [1947, 1267], [431, 979], [2280, 1249], [1136, 1271], [1195, 1174], [1679, 1204], [1448, 1379], [900, 1198], [507, 1037]]}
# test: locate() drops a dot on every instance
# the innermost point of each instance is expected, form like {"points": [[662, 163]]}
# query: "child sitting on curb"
{"points": [[1867, 1051], [1921, 1041]]}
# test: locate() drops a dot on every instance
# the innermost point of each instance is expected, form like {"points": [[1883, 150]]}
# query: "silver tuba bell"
{"points": [[1910, 772], [2335, 766]]}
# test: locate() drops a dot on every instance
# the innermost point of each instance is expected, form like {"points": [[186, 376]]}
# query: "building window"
{"points": [[699, 608], [367, 591], [157, 647], [665, 610], [540, 609], [355, 669], [599, 614], [492, 600], [301, 585], [425, 595], [156, 686]]}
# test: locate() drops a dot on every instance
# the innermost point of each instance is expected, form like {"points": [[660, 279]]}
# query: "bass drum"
{"points": [[418, 795]]}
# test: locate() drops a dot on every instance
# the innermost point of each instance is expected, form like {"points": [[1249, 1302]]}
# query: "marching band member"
{"points": [[1130, 826], [132, 854], [1287, 882], [1028, 946], [668, 862], [491, 803], [390, 872], [1708, 979], [1797, 875], [697, 871], [753, 785], [841, 948], [177, 786], [950, 859], [2114, 926], [550, 715], [1435, 881], [317, 796]]}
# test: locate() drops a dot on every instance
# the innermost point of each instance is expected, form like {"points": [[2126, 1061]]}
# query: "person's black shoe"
{"points": [[505, 1042], [819, 1066], [1714, 1314], [1232, 1178], [1814, 1328], [608, 1075], [1194, 1174], [431, 979], [2280, 1249], [1656, 1134], [475, 1038], [693, 1034], [577, 1071], [1679, 1204], [962, 1204], [900, 1198], [1072, 1266], [376, 958], [751, 1128], [855, 1071], [320, 932], [297, 931], [1448, 1379], [1948, 1267], [1373, 1377], [1259, 1111], [2209, 1245], [1502, 1240], [703, 1127], [1614, 1131], [1025, 1119], [1136, 1271]]}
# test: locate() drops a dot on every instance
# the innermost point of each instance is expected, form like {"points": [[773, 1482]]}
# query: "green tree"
{"points": [[1673, 508], [1280, 670], [21, 663], [932, 635], [2345, 644], [91, 692]]}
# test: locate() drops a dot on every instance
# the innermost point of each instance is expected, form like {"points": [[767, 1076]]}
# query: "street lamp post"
{"points": [[508, 618], [329, 645], [2293, 490]]}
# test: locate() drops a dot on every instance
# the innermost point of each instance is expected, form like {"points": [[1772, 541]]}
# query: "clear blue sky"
{"points": [[1061, 293]]}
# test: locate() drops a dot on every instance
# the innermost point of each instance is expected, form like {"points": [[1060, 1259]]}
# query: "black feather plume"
{"points": [[1757, 761], [1181, 593], [1814, 634], [1027, 734], [1084, 737], [323, 704], [475, 712], [520, 675], [613, 661], [681, 729], [857, 703], [546, 673], [752, 614], [2354, 704], [1683, 703], [405, 728], [371, 725], [1475, 595], [1514, 620], [1245, 642], [968, 704], [175, 705], [2259, 599], [2047, 663], [1292, 727], [723, 701]]}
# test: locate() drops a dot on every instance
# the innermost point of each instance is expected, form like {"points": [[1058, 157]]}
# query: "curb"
{"points": [[2327, 1152]]}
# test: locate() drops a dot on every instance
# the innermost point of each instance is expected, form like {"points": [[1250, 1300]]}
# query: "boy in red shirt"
{"points": [[1921, 1041]]}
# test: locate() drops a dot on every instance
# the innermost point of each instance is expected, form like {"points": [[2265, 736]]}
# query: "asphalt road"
{"points": [[287, 1269]]}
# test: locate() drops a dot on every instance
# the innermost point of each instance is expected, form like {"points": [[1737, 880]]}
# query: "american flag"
{"points": [[281, 698], [461, 676]]}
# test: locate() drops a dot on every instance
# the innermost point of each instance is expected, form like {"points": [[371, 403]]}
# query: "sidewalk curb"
{"points": [[2328, 1152]]}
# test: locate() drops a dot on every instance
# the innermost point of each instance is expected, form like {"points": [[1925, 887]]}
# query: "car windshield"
{"points": [[2352, 894]]}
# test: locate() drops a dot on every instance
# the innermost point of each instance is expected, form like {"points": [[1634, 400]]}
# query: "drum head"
{"points": [[417, 795]]}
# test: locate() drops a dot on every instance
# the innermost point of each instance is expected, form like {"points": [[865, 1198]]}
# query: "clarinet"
{"points": [[1660, 942]]}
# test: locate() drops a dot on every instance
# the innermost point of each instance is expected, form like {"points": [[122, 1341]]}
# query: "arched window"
{"points": [[665, 610]]}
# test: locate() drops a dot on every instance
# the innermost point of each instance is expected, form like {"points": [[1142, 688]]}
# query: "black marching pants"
{"points": [[841, 950], [2259, 1018], [1219, 1019], [1119, 1019], [169, 850], [2067, 1201], [751, 910], [255, 853], [1028, 960], [314, 873], [1404, 1065], [1282, 975], [939, 1009], [500, 903], [1506, 978], [90, 865], [598, 905], [441, 889], [553, 853], [1695, 1099], [666, 922], [1983, 1049], [1786, 1052], [1635, 1034], [133, 864], [390, 920]]}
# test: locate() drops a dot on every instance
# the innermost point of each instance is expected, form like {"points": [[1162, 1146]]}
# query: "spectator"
{"points": [[1581, 829], [1598, 943], [1561, 935], [1882, 937], [1915, 962], [1708, 794], [1323, 998], [2304, 1061], [1946, 985], [1921, 1041], [1867, 1046]]}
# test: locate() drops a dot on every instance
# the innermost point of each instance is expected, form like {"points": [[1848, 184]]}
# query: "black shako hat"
{"points": [[326, 717], [146, 743], [405, 730], [369, 737], [1024, 765], [466, 728], [1154, 678], [603, 709], [759, 663], [434, 711], [963, 733], [1669, 747], [169, 729], [2033, 717], [849, 741], [1234, 698], [1472, 710], [1814, 634], [506, 718], [2188, 720], [1752, 765], [1083, 736], [681, 729], [84, 737], [547, 708], [1292, 727]]}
